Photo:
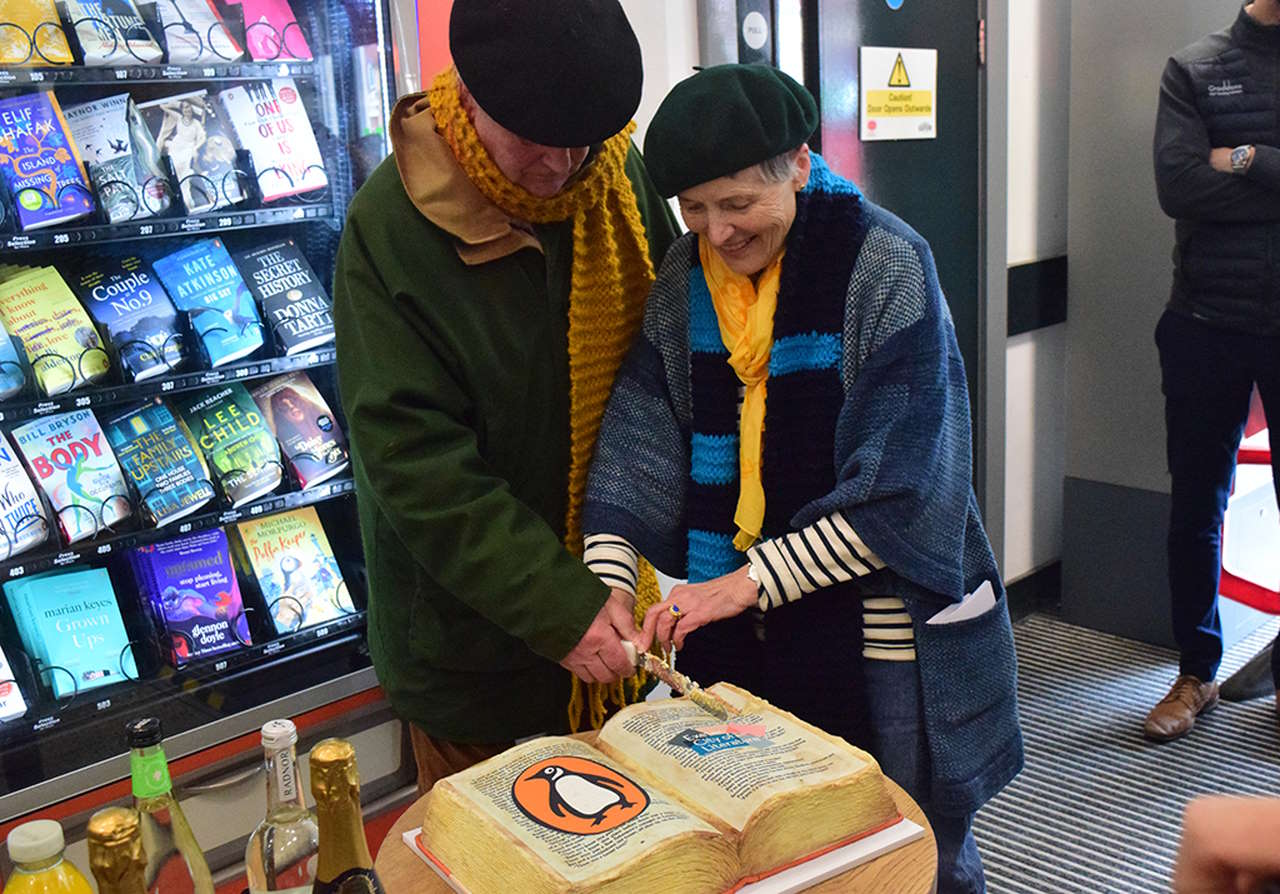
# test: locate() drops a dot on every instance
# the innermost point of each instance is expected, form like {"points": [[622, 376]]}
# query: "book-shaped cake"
{"points": [[194, 596], [204, 282], [71, 625], [36, 36], [195, 32], [121, 156], [191, 130], [112, 32], [293, 301], [22, 514], [290, 559], [40, 163], [131, 305], [271, 122], [57, 335], [161, 459], [241, 451], [670, 799], [310, 438], [12, 704]]}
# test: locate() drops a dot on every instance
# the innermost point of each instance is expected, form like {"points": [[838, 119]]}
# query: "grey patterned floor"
{"points": [[1098, 808]]}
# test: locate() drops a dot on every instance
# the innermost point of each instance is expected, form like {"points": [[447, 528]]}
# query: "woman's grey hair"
{"points": [[780, 168]]}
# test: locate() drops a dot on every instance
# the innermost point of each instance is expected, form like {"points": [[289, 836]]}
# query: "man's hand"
{"points": [[1228, 845], [699, 604], [1220, 159], [599, 657]]}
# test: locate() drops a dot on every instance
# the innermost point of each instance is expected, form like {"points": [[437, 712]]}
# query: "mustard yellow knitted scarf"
{"points": [[610, 280]]}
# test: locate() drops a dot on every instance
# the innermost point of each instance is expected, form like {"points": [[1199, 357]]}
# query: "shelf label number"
{"points": [[146, 229], [104, 549], [37, 76], [104, 704], [17, 571], [61, 238], [83, 401], [166, 386], [224, 221]]}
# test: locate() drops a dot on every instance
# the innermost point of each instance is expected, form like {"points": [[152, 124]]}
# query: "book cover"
{"points": [[12, 704], [271, 31], [40, 163], [194, 594], [192, 131], [121, 157], [112, 32], [71, 624], [203, 281], [57, 335], [132, 307], [293, 301], [195, 32], [290, 558], [310, 438], [271, 122], [161, 460], [239, 448], [13, 375], [22, 514], [71, 459], [38, 18]]}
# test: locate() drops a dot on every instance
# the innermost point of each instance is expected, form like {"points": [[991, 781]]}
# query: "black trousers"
{"points": [[1208, 375]]}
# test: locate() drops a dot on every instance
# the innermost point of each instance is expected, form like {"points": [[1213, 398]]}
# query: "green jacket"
{"points": [[455, 381]]}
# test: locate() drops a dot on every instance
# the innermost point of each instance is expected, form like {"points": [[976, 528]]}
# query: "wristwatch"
{"points": [[1240, 157]]}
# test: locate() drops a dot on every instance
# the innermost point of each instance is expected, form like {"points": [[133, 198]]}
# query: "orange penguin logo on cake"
{"points": [[577, 795]]}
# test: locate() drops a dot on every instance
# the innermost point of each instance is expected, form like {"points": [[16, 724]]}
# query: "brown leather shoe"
{"points": [[1177, 712]]}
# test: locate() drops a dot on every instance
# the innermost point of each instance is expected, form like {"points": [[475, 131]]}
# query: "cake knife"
{"points": [[654, 664]]}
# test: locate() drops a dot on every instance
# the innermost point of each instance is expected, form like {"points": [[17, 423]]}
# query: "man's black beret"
{"points": [[724, 119], [556, 72]]}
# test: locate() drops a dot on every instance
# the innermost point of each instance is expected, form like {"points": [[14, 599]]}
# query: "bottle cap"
{"points": [[113, 825], [278, 735], [144, 732], [35, 841]]}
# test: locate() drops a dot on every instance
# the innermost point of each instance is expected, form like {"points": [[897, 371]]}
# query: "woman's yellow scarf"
{"points": [[745, 313], [610, 280]]}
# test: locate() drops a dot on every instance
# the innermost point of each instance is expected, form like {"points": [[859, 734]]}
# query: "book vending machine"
{"points": [[178, 534]]}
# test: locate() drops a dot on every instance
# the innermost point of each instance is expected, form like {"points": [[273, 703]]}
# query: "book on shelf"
{"points": [[40, 163], [272, 32], [292, 563], [59, 339], [70, 623], [12, 704], [204, 282], [133, 309], [191, 587], [71, 459], [122, 157], [112, 32], [669, 798], [194, 31], [22, 513], [310, 438], [270, 121], [162, 461], [13, 374], [193, 132], [241, 451], [293, 300], [36, 36]]}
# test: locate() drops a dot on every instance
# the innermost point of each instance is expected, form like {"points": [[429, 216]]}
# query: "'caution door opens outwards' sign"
{"points": [[899, 94]]}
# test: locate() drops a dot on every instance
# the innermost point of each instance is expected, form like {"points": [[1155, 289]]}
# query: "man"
{"points": [[490, 278], [1218, 175]]}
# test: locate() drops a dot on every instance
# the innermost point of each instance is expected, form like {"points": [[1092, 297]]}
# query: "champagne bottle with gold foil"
{"points": [[172, 851], [345, 864], [115, 851]]}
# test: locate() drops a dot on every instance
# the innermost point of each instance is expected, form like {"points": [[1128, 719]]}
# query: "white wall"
{"points": [[668, 34], [1035, 400]]}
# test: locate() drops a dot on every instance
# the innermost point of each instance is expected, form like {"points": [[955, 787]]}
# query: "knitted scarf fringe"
{"points": [[610, 280]]}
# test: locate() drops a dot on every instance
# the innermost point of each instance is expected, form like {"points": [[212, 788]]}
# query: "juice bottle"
{"points": [[38, 868]]}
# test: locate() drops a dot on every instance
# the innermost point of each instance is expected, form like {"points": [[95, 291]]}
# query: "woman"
{"points": [[791, 433]]}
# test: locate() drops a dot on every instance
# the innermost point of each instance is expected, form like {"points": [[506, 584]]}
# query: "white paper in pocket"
{"points": [[979, 602]]}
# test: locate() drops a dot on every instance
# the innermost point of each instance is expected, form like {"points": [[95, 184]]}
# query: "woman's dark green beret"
{"points": [[724, 119]]}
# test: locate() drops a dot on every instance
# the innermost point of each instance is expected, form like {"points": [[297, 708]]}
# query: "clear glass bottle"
{"points": [[346, 866], [38, 867], [116, 855], [281, 855], [172, 851]]}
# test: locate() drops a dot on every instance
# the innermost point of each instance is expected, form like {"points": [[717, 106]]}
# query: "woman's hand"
{"points": [[1228, 845], [699, 604]]}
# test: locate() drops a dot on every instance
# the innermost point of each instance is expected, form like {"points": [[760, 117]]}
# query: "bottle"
{"points": [[281, 855], [166, 834], [345, 864], [38, 867], [116, 856]]}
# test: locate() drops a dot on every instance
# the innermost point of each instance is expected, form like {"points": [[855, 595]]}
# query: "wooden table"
{"points": [[911, 869]]}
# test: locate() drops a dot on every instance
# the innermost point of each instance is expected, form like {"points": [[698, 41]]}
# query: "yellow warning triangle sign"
{"points": [[898, 77]]}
